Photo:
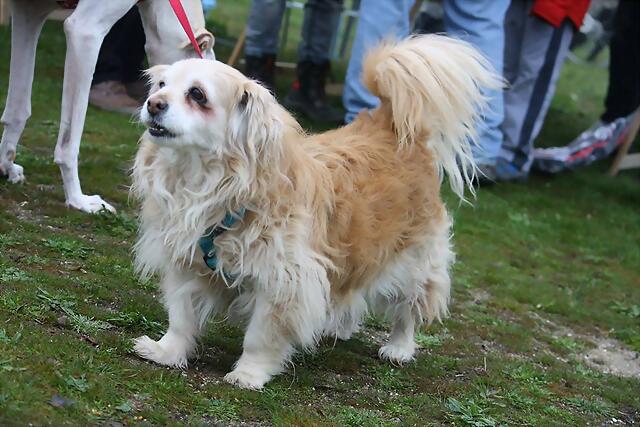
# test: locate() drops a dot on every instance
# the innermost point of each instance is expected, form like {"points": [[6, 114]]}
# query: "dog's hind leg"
{"points": [[415, 288], [190, 300], [27, 19], [85, 30]]}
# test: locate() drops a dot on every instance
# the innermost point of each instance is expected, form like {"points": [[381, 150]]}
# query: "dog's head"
{"points": [[209, 106]]}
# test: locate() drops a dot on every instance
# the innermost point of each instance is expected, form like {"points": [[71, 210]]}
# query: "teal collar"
{"points": [[206, 242]]}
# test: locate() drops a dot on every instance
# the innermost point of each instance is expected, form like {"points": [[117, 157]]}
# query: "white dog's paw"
{"points": [[16, 174], [345, 332], [253, 380], [152, 350], [90, 204], [397, 354]]}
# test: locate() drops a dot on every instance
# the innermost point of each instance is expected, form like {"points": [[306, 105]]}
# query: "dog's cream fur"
{"points": [[336, 223], [85, 29]]}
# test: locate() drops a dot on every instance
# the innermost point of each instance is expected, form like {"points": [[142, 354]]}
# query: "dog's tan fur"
{"points": [[335, 222]]}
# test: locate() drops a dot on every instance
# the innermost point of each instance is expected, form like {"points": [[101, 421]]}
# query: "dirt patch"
{"points": [[611, 357], [478, 297], [608, 356]]}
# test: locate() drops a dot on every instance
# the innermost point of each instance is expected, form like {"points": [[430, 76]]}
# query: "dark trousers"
{"points": [[122, 53], [623, 95]]}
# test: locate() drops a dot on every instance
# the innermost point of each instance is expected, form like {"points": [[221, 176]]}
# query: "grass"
{"points": [[543, 268]]}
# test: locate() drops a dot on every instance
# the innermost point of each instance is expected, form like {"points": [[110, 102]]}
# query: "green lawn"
{"points": [[546, 271]]}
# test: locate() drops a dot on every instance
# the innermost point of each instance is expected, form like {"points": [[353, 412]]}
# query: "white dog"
{"points": [[302, 234], [85, 29]]}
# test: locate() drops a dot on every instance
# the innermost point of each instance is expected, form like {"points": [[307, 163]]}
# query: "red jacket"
{"points": [[556, 11]]}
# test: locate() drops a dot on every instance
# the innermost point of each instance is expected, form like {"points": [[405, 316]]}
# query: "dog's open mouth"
{"points": [[160, 131]]}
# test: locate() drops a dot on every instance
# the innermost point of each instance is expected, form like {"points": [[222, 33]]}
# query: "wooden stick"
{"points": [[4, 12], [235, 54], [622, 159]]}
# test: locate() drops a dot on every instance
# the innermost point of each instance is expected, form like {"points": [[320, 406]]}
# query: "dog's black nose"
{"points": [[156, 106]]}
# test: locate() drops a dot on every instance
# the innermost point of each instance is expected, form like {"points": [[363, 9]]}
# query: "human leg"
{"points": [[540, 57], [377, 19], [481, 23], [307, 96], [261, 45]]}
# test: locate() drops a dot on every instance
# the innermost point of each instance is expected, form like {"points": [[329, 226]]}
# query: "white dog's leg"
{"points": [[189, 300], [401, 346], [85, 30], [265, 348], [26, 23], [416, 287]]}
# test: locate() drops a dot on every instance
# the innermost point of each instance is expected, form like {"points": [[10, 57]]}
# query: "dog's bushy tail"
{"points": [[431, 86]]}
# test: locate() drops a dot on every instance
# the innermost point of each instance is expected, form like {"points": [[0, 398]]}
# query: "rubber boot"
{"points": [[263, 69], [307, 96]]}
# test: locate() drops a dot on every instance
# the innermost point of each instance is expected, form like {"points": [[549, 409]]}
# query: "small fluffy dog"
{"points": [[306, 232]]}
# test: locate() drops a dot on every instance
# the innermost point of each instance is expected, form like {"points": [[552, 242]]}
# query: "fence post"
{"points": [[4, 12]]}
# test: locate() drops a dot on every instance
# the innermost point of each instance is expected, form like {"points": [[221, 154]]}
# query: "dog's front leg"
{"points": [[26, 23], [188, 303], [266, 347], [85, 30]]}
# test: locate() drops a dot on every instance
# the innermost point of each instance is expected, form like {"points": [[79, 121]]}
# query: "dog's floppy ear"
{"points": [[154, 74], [254, 124]]}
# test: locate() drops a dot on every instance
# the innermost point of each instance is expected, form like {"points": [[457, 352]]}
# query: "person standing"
{"points": [[307, 95], [623, 92], [538, 34], [480, 22]]}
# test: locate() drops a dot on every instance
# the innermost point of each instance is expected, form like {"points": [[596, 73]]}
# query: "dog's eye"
{"points": [[197, 95], [161, 85]]}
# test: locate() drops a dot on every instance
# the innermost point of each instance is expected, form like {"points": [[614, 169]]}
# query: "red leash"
{"points": [[176, 5]]}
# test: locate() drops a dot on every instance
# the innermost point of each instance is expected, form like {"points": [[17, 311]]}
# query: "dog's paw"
{"points": [[397, 354], [345, 332], [247, 379], [14, 173], [149, 349], [90, 204]]}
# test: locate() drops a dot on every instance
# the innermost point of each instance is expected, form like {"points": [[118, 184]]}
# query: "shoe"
{"points": [[307, 96], [507, 171], [263, 69], [112, 96], [485, 175]]}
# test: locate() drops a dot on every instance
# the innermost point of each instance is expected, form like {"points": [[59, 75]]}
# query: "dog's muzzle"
{"points": [[159, 131]]}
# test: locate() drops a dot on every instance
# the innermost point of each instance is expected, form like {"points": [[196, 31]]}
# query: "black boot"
{"points": [[263, 69], [307, 96]]}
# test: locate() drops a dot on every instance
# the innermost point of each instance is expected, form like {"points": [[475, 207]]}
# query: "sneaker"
{"points": [[485, 175], [112, 96], [308, 97], [507, 171]]}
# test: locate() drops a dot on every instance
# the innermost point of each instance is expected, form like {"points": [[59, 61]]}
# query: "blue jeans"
{"points": [[480, 22], [378, 19], [320, 23]]}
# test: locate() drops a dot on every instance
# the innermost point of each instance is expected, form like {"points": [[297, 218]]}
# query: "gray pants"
{"points": [[320, 23], [533, 56]]}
